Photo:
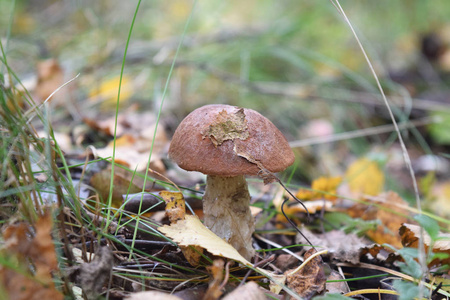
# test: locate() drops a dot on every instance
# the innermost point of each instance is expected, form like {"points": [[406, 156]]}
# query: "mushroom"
{"points": [[226, 143]]}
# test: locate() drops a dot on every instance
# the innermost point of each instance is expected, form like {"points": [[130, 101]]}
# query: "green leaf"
{"points": [[430, 226], [406, 289]]}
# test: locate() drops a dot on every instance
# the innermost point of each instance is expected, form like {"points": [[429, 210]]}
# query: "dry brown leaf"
{"points": [[341, 246], [309, 280], [133, 150], [25, 247], [391, 217], [94, 274], [410, 238], [50, 78]]}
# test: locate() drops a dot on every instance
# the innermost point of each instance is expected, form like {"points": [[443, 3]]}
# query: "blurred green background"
{"points": [[297, 62]]}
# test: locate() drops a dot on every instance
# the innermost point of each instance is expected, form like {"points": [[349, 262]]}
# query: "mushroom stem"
{"points": [[226, 208]]}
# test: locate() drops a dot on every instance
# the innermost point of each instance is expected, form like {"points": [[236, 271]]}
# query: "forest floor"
{"points": [[92, 207]]}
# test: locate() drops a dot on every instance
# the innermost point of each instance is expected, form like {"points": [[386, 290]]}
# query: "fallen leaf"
{"points": [[27, 249], [133, 149], [94, 274], [390, 212], [313, 206], [365, 177], [410, 238], [107, 91], [176, 211], [336, 283], [340, 245], [321, 188], [50, 77], [175, 205], [249, 291], [191, 232], [310, 279]]}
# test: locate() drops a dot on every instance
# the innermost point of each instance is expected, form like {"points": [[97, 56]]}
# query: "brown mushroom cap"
{"points": [[205, 142]]}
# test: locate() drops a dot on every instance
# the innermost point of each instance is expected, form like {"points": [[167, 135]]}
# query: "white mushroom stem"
{"points": [[226, 208]]}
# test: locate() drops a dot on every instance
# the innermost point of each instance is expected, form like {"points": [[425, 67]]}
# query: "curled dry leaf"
{"points": [[410, 238], [94, 274], [309, 280]]}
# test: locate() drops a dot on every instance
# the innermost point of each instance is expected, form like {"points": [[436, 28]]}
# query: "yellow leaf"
{"points": [[322, 188], [108, 89], [191, 232], [175, 205], [176, 211], [365, 176]]}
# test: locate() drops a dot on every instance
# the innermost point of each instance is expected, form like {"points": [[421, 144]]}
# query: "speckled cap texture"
{"points": [[205, 142]]}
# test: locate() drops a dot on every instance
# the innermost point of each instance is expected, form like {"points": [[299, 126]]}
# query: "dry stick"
{"points": [[406, 157], [227, 275]]}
